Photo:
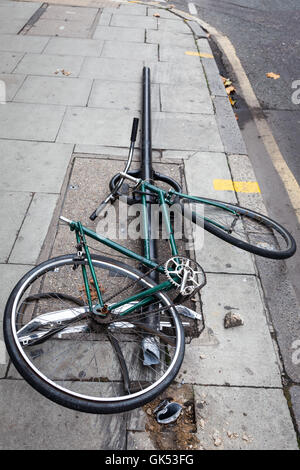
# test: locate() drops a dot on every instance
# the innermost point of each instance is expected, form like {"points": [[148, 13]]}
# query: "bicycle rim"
{"points": [[244, 228], [85, 365]]}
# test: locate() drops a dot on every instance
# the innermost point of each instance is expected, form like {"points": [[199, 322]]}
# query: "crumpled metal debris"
{"points": [[167, 412]]}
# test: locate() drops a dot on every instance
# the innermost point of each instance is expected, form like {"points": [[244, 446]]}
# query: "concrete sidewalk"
{"points": [[73, 85]]}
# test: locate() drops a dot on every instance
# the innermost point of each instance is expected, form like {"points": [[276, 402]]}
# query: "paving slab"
{"points": [[36, 166], [125, 21], [112, 69], [34, 229], [10, 275], [240, 356], [30, 122], [60, 28], [170, 131], [201, 169], [42, 64], [168, 53], [137, 420], [105, 19], [12, 43], [13, 209], [41, 424], [243, 419], [74, 46], [12, 84], [174, 26], [92, 126], [121, 95], [69, 13], [8, 61], [16, 10], [139, 440], [116, 153], [186, 99], [10, 26], [175, 131], [55, 90], [169, 72], [218, 256], [171, 38], [113, 33], [135, 10], [130, 50]]}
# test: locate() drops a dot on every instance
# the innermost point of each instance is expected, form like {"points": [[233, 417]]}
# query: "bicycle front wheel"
{"points": [[65, 354], [244, 228]]}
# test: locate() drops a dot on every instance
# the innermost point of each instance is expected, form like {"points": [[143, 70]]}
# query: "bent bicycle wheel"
{"points": [[70, 357], [244, 228]]}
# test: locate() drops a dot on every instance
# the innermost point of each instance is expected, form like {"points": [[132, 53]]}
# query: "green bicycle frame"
{"points": [[146, 296]]}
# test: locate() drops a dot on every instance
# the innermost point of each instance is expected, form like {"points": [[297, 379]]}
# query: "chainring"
{"points": [[185, 274]]}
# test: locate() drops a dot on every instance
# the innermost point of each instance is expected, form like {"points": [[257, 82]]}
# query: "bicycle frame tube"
{"points": [[145, 297], [162, 201]]}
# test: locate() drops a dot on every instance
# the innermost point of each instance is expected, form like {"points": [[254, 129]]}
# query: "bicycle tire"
{"points": [[268, 225], [58, 392]]}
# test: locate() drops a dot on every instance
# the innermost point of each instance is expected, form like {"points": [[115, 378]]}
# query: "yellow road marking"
{"points": [[200, 54], [238, 186]]}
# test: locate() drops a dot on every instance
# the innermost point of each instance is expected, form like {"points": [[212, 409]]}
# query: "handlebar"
{"points": [[112, 196]]}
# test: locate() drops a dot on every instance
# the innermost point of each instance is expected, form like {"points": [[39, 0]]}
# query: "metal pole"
{"points": [[147, 169]]}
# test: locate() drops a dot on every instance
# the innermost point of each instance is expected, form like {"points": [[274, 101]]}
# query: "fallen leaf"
{"points": [[157, 15], [230, 89], [275, 76], [232, 102]]}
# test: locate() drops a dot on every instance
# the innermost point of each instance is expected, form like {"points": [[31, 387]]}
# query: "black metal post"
{"points": [[146, 164]]}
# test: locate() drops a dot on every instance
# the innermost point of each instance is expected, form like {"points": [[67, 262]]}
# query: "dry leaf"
{"points": [[157, 15], [275, 76], [232, 102], [230, 89]]}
